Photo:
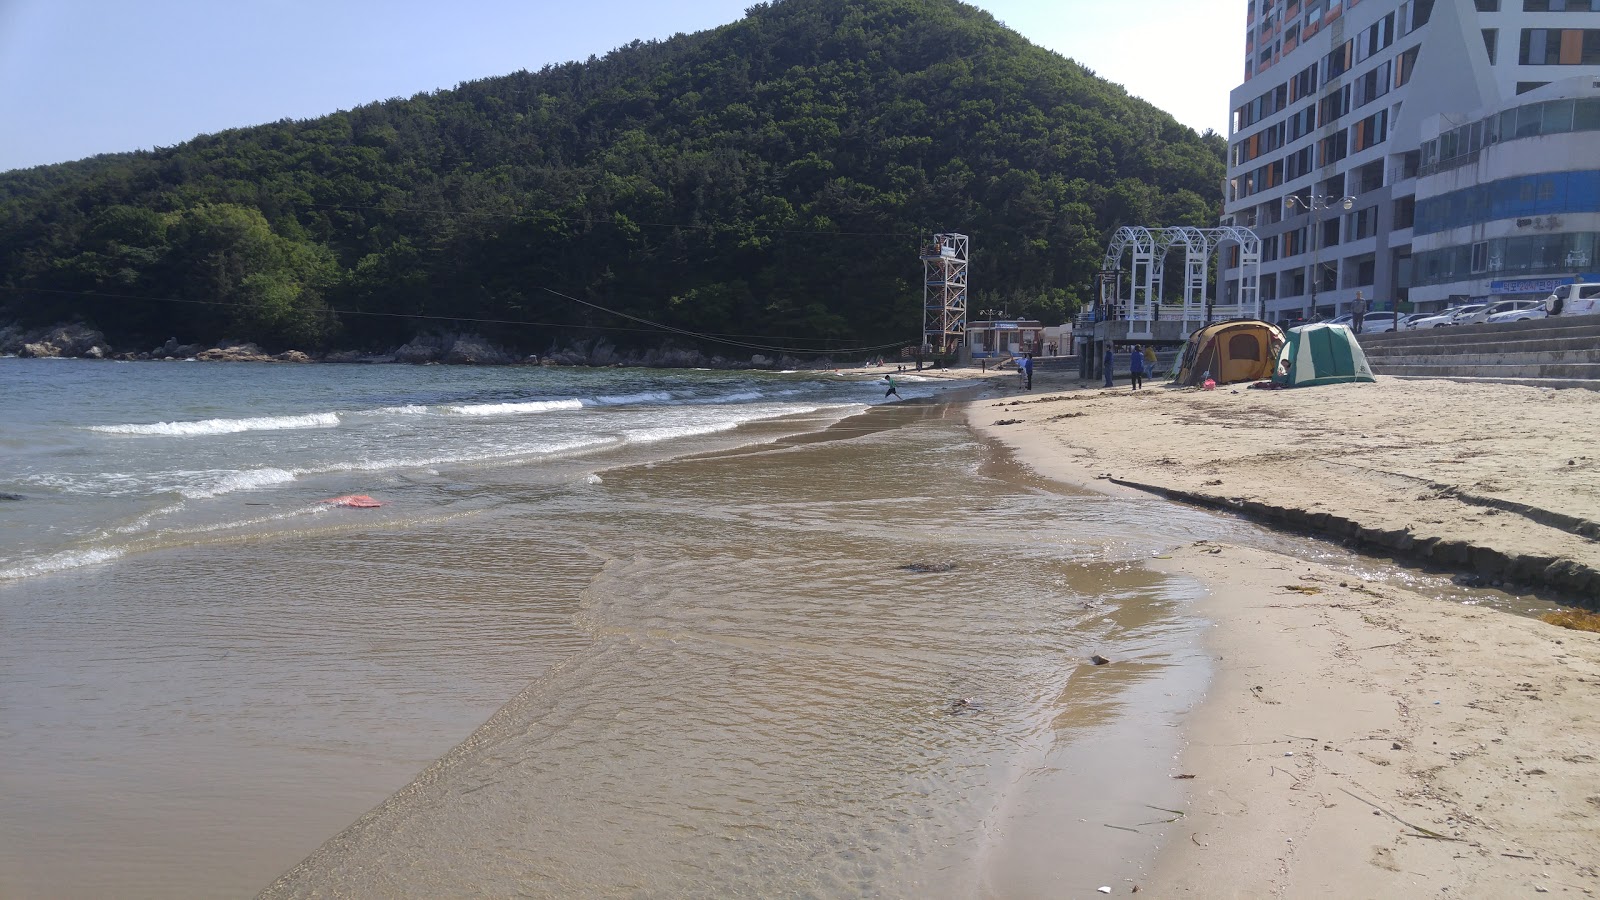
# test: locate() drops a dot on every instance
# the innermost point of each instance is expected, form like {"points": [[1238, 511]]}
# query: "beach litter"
{"points": [[1574, 619], [354, 501], [1098, 660], [924, 568]]}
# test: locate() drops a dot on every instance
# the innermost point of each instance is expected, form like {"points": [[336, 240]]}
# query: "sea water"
{"points": [[738, 634]]}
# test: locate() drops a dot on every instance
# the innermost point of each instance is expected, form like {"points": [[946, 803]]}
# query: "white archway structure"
{"points": [[1141, 304]]}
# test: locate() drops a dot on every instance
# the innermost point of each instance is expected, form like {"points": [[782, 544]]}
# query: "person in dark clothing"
{"points": [[1358, 312], [1136, 367], [1109, 363]]}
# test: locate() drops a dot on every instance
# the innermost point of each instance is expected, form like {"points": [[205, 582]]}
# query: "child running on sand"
{"points": [[891, 390]]}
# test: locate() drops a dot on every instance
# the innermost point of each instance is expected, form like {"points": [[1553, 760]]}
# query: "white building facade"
{"points": [[1369, 150]]}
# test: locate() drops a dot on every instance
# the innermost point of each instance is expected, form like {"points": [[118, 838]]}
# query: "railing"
{"points": [[1454, 162]]}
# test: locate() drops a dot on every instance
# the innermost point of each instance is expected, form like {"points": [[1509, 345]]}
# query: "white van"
{"points": [[1574, 299]]}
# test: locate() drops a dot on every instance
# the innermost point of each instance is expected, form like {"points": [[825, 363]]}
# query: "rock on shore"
{"points": [[74, 339]]}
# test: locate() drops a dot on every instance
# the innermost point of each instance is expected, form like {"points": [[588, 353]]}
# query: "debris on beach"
{"points": [[1098, 660], [1302, 588], [1008, 421], [354, 501], [924, 568], [959, 705], [7, 497], [1574, 619]]}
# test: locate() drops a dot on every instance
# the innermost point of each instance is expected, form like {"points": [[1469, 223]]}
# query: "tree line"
{"points": [[772, 177]]}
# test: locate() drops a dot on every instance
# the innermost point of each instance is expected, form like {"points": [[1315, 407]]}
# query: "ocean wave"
{"points": [[515, 409], [59, 562], [408, 410], [670, 432], [643, 397], [230, 482], [739, 397], [223, 426]]}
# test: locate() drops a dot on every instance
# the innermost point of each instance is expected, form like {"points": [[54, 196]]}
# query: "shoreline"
{"points": [[1358, 737]]}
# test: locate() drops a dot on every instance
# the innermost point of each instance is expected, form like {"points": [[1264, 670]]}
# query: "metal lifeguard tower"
{"points": [[944, 293]]}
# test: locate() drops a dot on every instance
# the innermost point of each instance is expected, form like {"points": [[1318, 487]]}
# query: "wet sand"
{"points": [[1362, 738]]}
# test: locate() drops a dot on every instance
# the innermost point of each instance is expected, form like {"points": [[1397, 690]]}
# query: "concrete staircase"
{"points": [[1558, 352]]}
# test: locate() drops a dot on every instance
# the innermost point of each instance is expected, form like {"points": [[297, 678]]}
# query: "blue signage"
{"points": [[1528, 285]]}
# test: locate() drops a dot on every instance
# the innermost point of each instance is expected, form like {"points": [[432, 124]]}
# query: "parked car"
{"points": [[1409, 320], [1574, 299], [1480, 312], [1438, 319], [1344, 320], [1516, 311], [1379, 322]]}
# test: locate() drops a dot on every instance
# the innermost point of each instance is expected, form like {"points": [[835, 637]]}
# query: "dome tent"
{"points": [[1240, 350], [1320, 354]]}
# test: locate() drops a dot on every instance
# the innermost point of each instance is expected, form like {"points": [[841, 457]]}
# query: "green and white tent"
{"points": [[1320, 354]]}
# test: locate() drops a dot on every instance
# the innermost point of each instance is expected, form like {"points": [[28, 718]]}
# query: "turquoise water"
{"points": [[665, 633]]}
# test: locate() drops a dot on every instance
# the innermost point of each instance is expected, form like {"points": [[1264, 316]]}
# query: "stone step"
{"points": [[1501, 371], [1506, 345], [1482, 354], [1528, 329], [1591, 384]]}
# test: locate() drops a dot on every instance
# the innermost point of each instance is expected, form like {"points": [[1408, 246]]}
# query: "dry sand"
{"points": [[1360, 739]]}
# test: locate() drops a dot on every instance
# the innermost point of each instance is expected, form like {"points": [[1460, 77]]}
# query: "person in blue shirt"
{"points": [[1136, 366], [1025, 366], [1109, 363]]}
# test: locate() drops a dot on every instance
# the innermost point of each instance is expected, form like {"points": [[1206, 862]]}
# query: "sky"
{"points": [[81, 77]]}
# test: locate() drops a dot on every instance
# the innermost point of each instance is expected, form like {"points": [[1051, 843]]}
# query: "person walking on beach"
{"points": [[1136, 367], [1109, 363], [1149, 360], [1358, 312], [1025, 367], [891, 390]]}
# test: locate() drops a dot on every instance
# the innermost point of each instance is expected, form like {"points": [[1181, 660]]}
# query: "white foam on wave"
{"points": [[634, 399], [408, 410], [738, 397], [59, 562], [695, 429], [515, 409], [230, 482], [223, 426]]}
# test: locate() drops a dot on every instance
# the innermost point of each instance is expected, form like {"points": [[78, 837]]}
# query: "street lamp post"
{"points": [[1316, 203]]}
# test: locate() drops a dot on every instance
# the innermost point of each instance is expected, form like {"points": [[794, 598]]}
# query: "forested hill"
{"points": [[769, 177]]}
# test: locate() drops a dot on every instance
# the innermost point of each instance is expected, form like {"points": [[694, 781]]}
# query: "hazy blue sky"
{"points": [[80, 77]]}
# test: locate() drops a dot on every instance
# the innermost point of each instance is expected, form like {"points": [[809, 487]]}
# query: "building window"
{"points": [[1560, 47], [1491, 40], [1488, 5], [1363, 223], [1480, 256], [1560, 6], [1525, 86], [1405, 64], [1405, 212], [1369, 132]]}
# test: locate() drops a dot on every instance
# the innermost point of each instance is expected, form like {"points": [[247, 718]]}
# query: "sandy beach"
{"points": [[1361, 739]]}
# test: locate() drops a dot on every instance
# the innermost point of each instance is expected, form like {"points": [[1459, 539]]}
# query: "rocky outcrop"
{"points": [[455, 349], [356, 356], [71, 340], [472, 350], [234, 351], [174, 350]]}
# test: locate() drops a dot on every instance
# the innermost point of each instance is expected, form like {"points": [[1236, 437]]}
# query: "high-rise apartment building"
{"points": [[1417, 152]]}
